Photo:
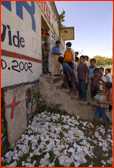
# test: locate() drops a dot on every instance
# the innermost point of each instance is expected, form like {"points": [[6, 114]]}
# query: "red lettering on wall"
{"points": [[41, 2], [49, 14], [46, 9], [44, 6]]}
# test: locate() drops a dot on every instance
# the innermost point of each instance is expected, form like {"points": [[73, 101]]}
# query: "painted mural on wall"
{"points": [[21, 40], [21, 59]]}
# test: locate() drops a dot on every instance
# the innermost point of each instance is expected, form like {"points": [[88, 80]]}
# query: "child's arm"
{"points": [[61, 71], [107, 102], [87, 71], [101, 81], [57, 53], [69, 76], [64, 76]]}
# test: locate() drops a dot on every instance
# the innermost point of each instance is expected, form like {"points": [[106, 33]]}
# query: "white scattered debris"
{"points": [[90, 165], [14, 164], [102, 161], [109, 161], [45, 136], [106, 154], [78, 116]]}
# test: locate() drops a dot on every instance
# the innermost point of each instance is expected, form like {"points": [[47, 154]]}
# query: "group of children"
{"points": [[87, 80]]}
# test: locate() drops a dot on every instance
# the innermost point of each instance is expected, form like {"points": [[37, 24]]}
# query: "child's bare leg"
{"points": [[106, 131], [95, 124]]}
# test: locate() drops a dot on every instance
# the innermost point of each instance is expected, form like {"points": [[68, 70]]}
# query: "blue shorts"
{"points": [[100, 112]]}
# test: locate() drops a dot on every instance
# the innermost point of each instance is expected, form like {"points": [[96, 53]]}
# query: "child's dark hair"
{"points": [[82, 56], [76, 59], [58, 42], [61, 59], [87, 57], [77, 52], [101, 68], [109, 70], [96, 69], [108, 84], [69, 44], [93, 60]]}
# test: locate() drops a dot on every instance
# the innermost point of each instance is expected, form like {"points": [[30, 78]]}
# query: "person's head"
{"points": [[76, 53], [61, 60], [47, 36], [43, 33], [92, 62], [96, 72], [58, 43], [101, 69], [69, 44], [107, 71], [82, 59], [76, 59], [107, 85], [86, 58]]}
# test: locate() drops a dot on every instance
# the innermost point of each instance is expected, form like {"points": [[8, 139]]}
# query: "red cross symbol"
{"points": [[12, 106]]}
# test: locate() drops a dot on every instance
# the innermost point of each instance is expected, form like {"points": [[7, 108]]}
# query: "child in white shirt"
{"points": [[108, 76], [75, 66], [86, 61]]}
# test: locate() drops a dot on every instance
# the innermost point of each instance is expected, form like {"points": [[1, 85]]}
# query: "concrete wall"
{"points": [[52, 96], [19, 103]]}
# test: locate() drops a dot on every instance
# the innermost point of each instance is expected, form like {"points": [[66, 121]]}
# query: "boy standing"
{"points": [[82, 76], [108, 76], [69, 54], [56, 53], [90, 75], [95, 82], [68, 76], [100, 111]]}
